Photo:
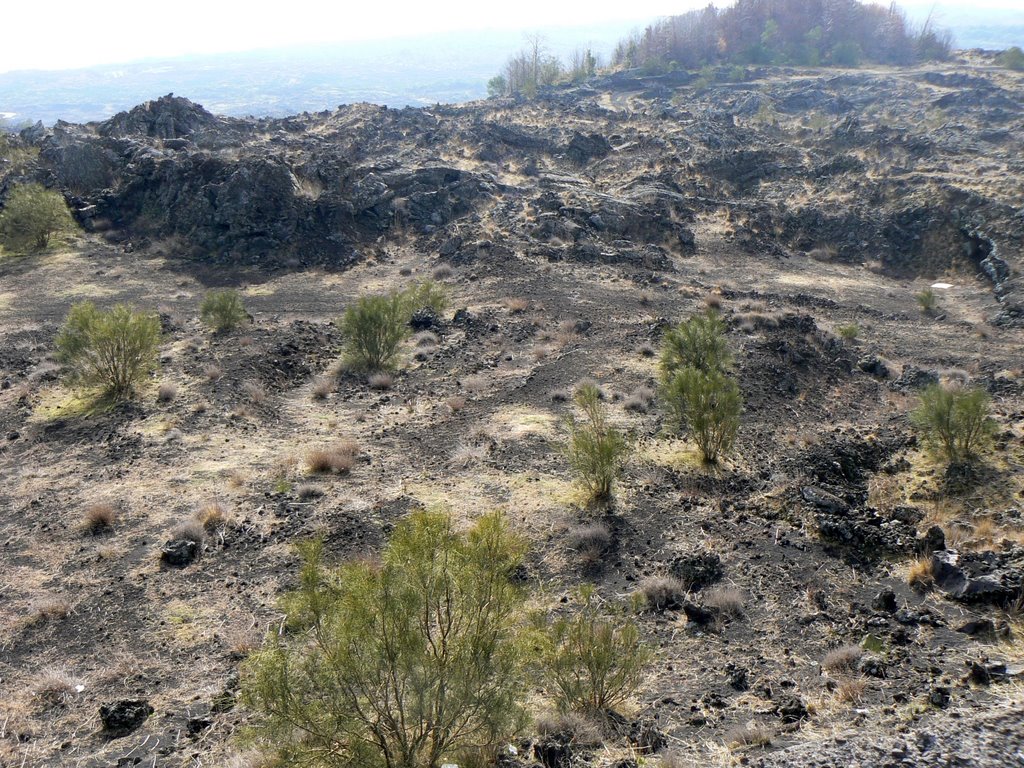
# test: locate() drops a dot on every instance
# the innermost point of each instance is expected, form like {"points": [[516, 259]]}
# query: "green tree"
{"points": [[223, 310], [595, 449], [401, 664], [698, 342], [708, 405], [1011, 58], [113, 350], [595, 662], [374, 329], [497, 86], [31, 217], [955, 422]]}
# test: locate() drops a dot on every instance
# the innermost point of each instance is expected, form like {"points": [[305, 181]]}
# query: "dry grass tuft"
{"points": [[213, 373], [515, 305], [851, 691], [55, 687], [254, 392], [48, 609], [322, 387], [212, 515], [842, 659], [166, 392], [381, 381], [590, 540], [99, 517], [581, 729], [749, 735], [338, 459], [662, 593], [455, 403], [474, 384], [728, 600], [442, 272], [921, 574], [641, 400], [191, 530]]}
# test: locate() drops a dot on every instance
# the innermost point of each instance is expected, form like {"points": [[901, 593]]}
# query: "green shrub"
{"points": [[425, 294], [927, 300], [1011, 58], [595, 663], [113, 350], [955, 422], [223, 310], [697, 343], [396, 664], [31, 217], [848, 332], [596, 450], [707, 404], [374, 329]]}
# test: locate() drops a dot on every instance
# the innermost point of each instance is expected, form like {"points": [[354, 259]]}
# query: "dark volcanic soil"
{"points": [[571, 230]]}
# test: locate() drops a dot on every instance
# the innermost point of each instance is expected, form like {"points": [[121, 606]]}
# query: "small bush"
{"points": [[166, 392], [662, 593], [113, 350], [212, 516], [31, 217], [425, 294], [955, 422], [400, 662], [374, 328], [381, 381], [848, 332], [842, 659], [927, 300], [696, 343], [594, 662], [99, 517], [727, 600], [708, 404], [338, 459], [1011, 58], [322, 387], [223, 310], [591, 541], [596, 450]]}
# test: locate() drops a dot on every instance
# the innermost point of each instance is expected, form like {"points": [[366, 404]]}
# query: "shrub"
{"points": [[399, 663], [848, 332], [31, 216], [927, 300], [114, 350], [338, 458], [708, 404], [596, 450], [99, 517], [1011, 58], [954, 421], [374, 327], [697, 343], [595, 663], [223, 310], [425, 294]]}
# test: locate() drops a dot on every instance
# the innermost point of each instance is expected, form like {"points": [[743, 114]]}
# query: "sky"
{"points": [[64, 34]]}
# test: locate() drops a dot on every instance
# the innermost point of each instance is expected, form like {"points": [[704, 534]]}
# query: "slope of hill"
{"points": [[569, 232]]}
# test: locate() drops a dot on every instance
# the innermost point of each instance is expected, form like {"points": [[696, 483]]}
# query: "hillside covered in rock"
{"points": [[839, 596]]}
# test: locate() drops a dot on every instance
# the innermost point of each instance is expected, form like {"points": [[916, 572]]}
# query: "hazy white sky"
{"points": [[58, 34]]}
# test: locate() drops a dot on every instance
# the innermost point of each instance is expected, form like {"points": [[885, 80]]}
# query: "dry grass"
{"points": [[442, 272], [641, 400], [381, 381], [191, 530], [842, 659], [729, 601], [54, 687], [515, 305], [851, 691], [337, 459], [99, 517], [213, 373], [474, 385], [582, 730], [254, 392], [213, 515], [166, 392], [589, 540], [661, 593], [921, 574], [425, 340], [749, 735], [322, 387], [455, 403]]}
